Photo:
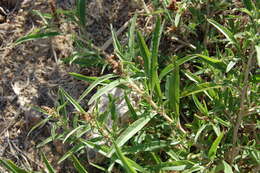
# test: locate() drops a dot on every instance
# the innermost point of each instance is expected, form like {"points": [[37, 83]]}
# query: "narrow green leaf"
{"points": [[62, 105], [112, 108], [104, 151], [177, 19], [106, 89], [41, 123], [228, 34], [174, 90], [200, 106], [130, 107], [180, 165], [48, 140], [256, 78], [8, 164], [154, 57], [246, 11], [257, 48], [92, 78], [69, 153], [72, 132], [79, 167], [249, 5], [117, 45], [131, 131], [193, 77], [127, 166], [81, 11], [227, 167], [50, 169], [72, 101], [41, 15], [36, 36], [97, 82], [230, 65], [199, 88], [98, 167], [84, 60], [222, 122], [213, 149], [145, 53], [170, 67], [150, 146], [199, 132], [213, 62]]}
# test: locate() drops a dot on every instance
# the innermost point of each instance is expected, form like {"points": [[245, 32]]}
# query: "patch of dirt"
{"points": [[31, 75]]}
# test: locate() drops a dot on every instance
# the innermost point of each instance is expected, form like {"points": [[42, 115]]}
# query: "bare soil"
{"points": [[31, 75]]}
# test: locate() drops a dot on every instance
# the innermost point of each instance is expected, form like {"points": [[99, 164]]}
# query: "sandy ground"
{"points": [[31, 75]]}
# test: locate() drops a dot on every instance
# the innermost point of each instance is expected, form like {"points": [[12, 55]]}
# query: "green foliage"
{"points": [[81, 11], [191, 99]]}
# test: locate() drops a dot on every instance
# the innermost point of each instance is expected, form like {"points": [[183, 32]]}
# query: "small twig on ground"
{"points": [[145, 6], [26, 157], [53, 51]]}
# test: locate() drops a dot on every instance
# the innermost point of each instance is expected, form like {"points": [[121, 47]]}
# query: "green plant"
{"points": [[198, 109]]}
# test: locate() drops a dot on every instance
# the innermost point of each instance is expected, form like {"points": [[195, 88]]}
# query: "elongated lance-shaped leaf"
{"points": [[179, 165], [218, 64], [50, 169], [150, 146], [72, 101], [106, 89], [200, 88], [200, 106], [79, 167], [199, 132], [117, 45], [211, 61], [36, 36], [8, 164], [97, 82], [69, 153], [41, 123], [227, 167], [228, 34], [104, 151], [131, 131], [249, 5], [174, 90], [171, 66], [62, 105], [127, 165], [145, 53], [90, 79], [154, 57], [81, 11], [130, 107], [72, 132], [213, 149]]}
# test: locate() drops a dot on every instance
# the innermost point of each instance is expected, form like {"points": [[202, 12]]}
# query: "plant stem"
{"points": [[241, 113], [151, 102]]}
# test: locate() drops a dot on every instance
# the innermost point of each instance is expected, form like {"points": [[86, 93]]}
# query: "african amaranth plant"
{"points": [[198, 105]]}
